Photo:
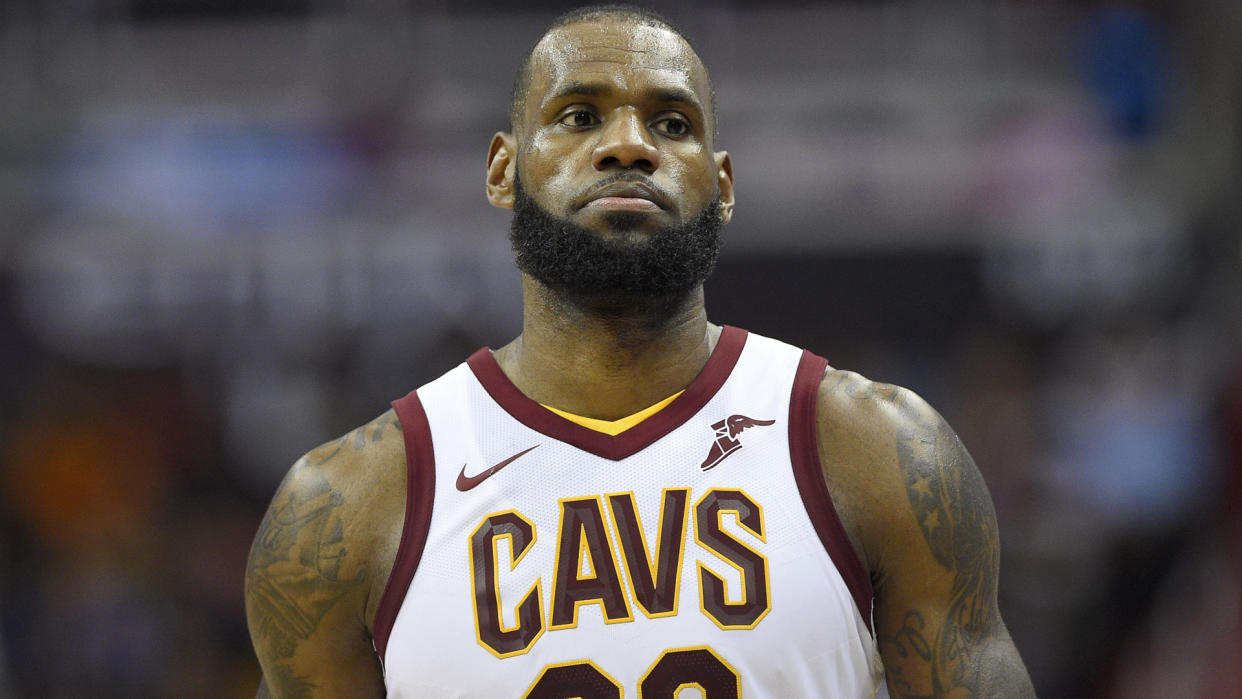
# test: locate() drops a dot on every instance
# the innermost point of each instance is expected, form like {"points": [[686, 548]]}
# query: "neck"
{"points": [[606, 358]]}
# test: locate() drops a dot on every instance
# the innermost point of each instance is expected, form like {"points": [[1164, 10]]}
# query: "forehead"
{"points": [[623, 54]]}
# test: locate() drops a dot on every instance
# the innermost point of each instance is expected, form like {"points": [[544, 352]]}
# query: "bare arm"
{"points": [[924, 522], [312, 576]]}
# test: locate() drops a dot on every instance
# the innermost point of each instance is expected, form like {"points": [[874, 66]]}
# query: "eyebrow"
{"points": [[597, 89], [576, 89]]}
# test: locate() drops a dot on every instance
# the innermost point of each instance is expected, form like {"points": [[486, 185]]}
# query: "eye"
{"points": [[673, 126], [579, 119]]}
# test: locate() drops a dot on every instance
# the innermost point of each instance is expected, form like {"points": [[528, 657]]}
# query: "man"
{"points": [[627, 500]]}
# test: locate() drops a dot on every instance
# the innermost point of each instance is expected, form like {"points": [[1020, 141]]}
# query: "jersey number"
{"points": [[677, 669]]}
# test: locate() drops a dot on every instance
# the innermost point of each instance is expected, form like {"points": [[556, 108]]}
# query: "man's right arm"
{"points": [[311, 577]]}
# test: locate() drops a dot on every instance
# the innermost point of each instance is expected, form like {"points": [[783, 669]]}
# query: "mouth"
{"points": [[625, 196]]}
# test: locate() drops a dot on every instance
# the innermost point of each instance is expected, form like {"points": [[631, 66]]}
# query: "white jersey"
{"points": [[697, 549]]}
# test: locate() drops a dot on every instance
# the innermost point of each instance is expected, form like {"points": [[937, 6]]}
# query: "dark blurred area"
{"points": [[234, 230]]}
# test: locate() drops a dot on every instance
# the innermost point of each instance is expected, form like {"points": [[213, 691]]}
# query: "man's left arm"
{"points": [[920, 517], [936, 616]]}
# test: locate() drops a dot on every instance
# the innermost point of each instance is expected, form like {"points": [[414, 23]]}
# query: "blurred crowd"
{"points": [[197, 288]]}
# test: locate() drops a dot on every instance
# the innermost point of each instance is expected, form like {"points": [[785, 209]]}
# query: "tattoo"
{"points": [[849, 384], [291, 685], [358, 439], [950, 501], [909, 640], [294, 574]]}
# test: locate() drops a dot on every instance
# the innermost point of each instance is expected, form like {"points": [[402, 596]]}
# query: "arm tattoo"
{"points": [[950, 501], [294, 574], [290, 685]]}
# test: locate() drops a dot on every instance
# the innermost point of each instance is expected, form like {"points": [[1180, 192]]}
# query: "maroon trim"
{"points": [[809, 474], [420, 487], [636, 438]]}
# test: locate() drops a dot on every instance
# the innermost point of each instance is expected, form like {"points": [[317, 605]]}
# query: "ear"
{"points": [[501, 168], [724, 178]]}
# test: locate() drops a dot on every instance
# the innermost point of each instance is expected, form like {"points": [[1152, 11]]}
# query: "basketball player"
{"points": [[628, 500]]}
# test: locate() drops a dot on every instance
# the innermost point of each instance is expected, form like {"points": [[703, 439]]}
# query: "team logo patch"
{"points": [[726, 442]]}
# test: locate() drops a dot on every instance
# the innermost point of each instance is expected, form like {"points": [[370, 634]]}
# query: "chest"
{"points": [[674, 555]]}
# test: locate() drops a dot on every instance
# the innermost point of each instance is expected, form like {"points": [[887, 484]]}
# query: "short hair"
{"points": [[591, 13]]}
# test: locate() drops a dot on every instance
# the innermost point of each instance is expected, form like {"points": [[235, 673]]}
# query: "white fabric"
{"points": [[811, 643]]}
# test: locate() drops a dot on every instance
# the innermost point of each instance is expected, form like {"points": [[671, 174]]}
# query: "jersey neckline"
{"points": [[614, 447]]}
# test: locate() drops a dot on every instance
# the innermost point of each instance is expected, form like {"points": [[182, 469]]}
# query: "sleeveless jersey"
{"points": [[697, 550]]}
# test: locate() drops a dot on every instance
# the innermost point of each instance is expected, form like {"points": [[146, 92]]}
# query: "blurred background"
{"points": [[233, 229]]}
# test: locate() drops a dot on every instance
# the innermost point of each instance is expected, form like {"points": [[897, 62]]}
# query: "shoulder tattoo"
{"points": [[358, 439]]}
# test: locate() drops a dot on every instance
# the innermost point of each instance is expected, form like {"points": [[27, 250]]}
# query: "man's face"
{"points": [[616, 135]]}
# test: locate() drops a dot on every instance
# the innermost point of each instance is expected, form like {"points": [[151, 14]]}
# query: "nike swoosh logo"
{"points": [[465, 482]]}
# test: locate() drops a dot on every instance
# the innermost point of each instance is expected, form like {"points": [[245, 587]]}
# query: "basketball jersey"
{"points": [[697, 550]]}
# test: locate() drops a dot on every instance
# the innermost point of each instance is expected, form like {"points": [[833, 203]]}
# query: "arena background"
{"points": [[231, 230]]}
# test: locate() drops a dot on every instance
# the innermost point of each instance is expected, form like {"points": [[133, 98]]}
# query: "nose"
{"points": [[625, 143]]}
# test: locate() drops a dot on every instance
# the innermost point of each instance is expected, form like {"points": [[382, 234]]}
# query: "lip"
{"points": [[629, 196], [623, 204]]}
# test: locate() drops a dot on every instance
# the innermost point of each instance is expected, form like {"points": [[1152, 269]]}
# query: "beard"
{"points": [[621, 273]]}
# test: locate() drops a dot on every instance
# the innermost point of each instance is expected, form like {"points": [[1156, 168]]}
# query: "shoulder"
{"points": [[862, 422], [357, 461], [853, 403], [352, 475], [328, 534], [894, 466]]}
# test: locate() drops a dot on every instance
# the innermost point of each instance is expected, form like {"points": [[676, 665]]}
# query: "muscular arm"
{"points": [[923, 521], [314, 570]]}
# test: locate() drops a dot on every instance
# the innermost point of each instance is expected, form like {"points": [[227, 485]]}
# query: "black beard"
{"points": [[622, 273]]}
